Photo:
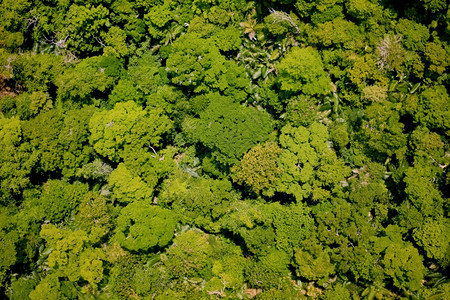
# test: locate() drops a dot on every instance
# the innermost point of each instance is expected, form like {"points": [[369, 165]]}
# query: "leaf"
{"points": [[257, 74], [275, 54]]}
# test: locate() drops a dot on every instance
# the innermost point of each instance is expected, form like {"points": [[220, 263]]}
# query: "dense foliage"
{"points": [[206, 149]]}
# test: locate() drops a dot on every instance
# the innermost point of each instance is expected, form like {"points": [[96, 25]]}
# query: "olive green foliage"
{"points": [[224, 149], [258, 168]]}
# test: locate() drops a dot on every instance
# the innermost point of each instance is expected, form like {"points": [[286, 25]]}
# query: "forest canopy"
{"points": [[207, 149]]}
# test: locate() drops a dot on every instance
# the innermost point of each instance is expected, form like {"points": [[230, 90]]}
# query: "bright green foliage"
{"points": [[94, 216], [151, 167], [16, 160], [123, 13], [364, 69], [96, 73], [116, 41], [36, 72], [43, 134], [428, 146], [20, 288], [228, 266], [126, 187], [9, 39], [421, 192], [433, 108], [127, 125], [8, 239], [189, 256], [11, 10], [302, 71], [26, 105], [228, 129], [383, 131], [258, 168], [197, 63], [69, 255], [124, 91], [74, 140], [308, 163], [60, 198], [91, 265], [301, 111], [142, 226], [403, 264], [339, 33], [144, 71], [268, 270], [414, 35], [313, 263], [434, 237], [82, 24], [232, 149], [292, 225], [337, 292], [438, 57], [228, 39], [198, 201], [48, 288]]}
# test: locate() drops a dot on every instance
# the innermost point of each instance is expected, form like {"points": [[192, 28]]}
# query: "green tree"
{"points": [[8, 239], [404, 266], [313, 262], [197, 63], [433, 236], [126, 187], [77, 83], [59, 199], [127, 125], [143, 226], [228, 129], [301, 70], [16, 159], [258, 168], [198, 201]]}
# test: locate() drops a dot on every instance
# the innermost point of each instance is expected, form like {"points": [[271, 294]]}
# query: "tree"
{"points": [[82, 25], [16, 159], [126, 187], [127, 125], [8, 239], [59, 199], [94, 216], [310, 167], [197, 63], [301, 70], [404, 266], [70, 255], [79, 81], [258, 168], [198, 201], [313, 262], [433, 237], [142, 226], [42, 133], [228, 129]]}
